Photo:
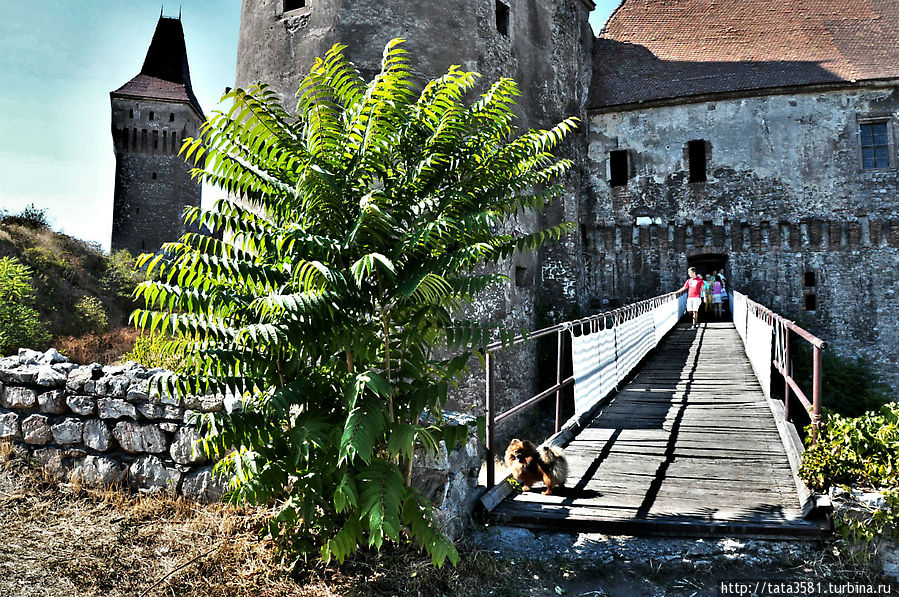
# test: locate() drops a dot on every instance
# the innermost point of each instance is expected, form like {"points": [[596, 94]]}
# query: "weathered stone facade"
{"points": [[151, 116], [785, 208]]}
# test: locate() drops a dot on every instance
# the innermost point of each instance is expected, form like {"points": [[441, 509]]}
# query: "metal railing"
{"points": [[775, 350], [610, 320]]}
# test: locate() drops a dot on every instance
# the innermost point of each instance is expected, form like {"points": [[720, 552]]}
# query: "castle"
{"points": [[758, 137], [151, 115]]}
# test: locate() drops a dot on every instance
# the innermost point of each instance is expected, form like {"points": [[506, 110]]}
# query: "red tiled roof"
{"points": [[145, 86], [666, 49]]}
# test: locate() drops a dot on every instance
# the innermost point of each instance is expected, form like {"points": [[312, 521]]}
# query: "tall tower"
{"points": [[545, 45], [151, 115]]}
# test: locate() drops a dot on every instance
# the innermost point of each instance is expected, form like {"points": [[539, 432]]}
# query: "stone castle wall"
{"points": [[104, 425], [786, 209]]}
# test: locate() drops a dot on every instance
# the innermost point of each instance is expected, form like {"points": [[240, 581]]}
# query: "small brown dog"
{"points": [[530, 464]]}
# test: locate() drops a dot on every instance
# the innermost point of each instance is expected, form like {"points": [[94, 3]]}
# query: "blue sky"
{"points": [[59, 60]]}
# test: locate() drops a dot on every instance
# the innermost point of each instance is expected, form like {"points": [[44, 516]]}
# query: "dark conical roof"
{"points": [[165, 74]]}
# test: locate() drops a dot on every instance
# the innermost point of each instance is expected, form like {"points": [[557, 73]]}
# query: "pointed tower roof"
{"points": [[165, 74]]}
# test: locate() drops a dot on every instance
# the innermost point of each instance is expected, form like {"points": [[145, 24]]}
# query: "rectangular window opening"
{"points": [[618, 168], [293, 5], [875, 145], [811, 302], [171, 117], [154, 176], [131, 113], [521, 276], [151, 115], [696, 157], [502, 18], [809, 279]]}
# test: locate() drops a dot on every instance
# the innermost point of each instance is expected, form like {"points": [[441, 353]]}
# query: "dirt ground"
{"points": [[67, 541]]}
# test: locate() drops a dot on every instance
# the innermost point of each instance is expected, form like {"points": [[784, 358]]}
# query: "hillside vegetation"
{"points": [[81, 296]]}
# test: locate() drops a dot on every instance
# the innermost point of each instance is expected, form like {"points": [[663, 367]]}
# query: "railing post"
{"points": [[491, 414], [816, 391], [559, 380], [786, 373]]}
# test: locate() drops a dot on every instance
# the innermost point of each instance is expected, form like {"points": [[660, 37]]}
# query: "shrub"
{"points": [[329, 303], [30, 217], [107, 348], [121, 276], [155, 350], [860, 450], [20, 324], [89, 316]]}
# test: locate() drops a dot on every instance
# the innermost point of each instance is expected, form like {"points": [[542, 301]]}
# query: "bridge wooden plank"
{"points": [[689, 446]]}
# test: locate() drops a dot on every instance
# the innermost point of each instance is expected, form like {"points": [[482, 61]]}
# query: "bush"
{"points": [[30, 217], [121, 276], [854, 450], [20, 324], [89, 317], [154, 350]]}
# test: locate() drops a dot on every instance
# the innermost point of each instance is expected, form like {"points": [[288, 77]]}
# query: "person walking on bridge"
{"points": [[693, 286]]}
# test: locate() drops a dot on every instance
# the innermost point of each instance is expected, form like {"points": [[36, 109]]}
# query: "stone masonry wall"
{"points": [[103, 425]]}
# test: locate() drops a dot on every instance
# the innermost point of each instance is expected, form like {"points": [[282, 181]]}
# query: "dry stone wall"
{"points": [[104, 425]]}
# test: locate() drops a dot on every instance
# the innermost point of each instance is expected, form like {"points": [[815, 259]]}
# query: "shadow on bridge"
{"points": [[688, 447]]}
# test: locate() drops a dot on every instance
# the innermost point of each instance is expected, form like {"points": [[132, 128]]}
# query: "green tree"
{"points": [[20, 324], [364, 224]]}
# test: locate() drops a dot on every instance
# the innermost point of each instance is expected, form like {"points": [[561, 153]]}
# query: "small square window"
{"points": [[293, 5], [875, 145], [502, 17]]}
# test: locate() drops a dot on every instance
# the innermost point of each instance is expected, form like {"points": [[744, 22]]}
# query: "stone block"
{"points": [[97, 435], [36, 430], [68, 431], [9, 426], [52, 356], [159, 411], [201, 485], [52, 402], [82, 405], [49, 377], [134, 438], [118, 386], [29, 357], [162, 398], [15, 397], [138, 391], [112, 408], [169, 427], [183, 449], [79, 377], [150, 473], [100, 470], [51, 460], [19, 375]]}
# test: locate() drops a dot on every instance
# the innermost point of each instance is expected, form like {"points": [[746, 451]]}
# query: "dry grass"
{"points": [[63, 540], [106, 348]]}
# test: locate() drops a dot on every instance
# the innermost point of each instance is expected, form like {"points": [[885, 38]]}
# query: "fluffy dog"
{"points": [[530, 464]]}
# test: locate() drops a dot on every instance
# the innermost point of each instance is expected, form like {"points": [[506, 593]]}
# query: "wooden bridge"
{"points": [[690, 443]]}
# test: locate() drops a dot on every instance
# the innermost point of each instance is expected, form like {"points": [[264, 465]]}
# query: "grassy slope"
{"points": [[66, 269]]}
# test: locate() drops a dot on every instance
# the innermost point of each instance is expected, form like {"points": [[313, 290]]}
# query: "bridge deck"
{"points": [[688, 447]]}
